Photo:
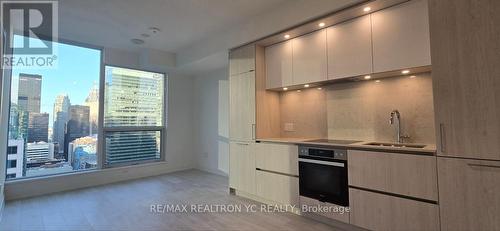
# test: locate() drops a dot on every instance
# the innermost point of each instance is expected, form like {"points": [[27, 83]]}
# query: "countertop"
{"points": [[429, 149]]}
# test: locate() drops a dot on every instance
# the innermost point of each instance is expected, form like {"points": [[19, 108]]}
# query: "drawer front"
{"points": [[331, 211], [278, 188], [281, 158], [375, 211], [469, 194], [403, 174]]}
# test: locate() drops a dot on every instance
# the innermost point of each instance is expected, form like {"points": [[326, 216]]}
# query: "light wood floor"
{"points": [[126, 206]]}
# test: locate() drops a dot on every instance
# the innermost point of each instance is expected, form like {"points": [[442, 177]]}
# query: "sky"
{"points": [[77, 70]]}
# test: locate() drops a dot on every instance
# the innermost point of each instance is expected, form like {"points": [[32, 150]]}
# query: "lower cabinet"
{"points": [[376, 211], [281, 158], [328, 210], [242, 166], [278, 188], [469, 194]]}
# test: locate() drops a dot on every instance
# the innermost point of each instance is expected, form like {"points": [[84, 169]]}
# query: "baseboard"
{"points": [[24, 188], [216, 172]]}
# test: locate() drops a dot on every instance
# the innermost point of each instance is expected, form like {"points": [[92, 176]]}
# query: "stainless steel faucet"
{"points": [[396, 120]]}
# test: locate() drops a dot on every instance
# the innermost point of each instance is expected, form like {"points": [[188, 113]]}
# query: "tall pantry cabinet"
{"points": [[242, 119], [466, 80]]}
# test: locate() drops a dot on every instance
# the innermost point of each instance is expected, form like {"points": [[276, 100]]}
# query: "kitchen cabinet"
{"points": [[280, 158], [375, 211], [328, 210], [403, 174], [242, 166], [279, 65], [469, 194], [242, 107], [350, 48], [279, 188], [401, 36], [465, 77], [242, 60], [309, 59]]}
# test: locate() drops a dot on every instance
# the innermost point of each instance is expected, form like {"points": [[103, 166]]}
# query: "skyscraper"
{"points": [[29, 92], [92, 102], [38, 127], [61, 117], [78, 124]]}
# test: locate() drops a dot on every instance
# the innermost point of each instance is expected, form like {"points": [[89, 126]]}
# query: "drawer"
{"points": [[277, 187], [375, 211], [335, 212], [281, 158], [404, 174]]}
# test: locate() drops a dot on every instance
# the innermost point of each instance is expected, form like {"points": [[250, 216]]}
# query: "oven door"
{"points": [[324, 180]]}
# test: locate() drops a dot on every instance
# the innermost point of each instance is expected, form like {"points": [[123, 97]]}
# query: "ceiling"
{"points": [[113, 23]]}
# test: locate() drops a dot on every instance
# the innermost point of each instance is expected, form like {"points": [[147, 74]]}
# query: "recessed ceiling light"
{"points": [[307, 85], [367, 77], [377, 81], [287, 36], [405, 72], [366, 9], [411, 77], [298, 90], [145, 35], [319, 88], [285, 88], [321, 24], [137, 41], [154, 30]]}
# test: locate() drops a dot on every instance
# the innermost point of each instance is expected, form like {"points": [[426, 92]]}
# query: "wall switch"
{"points": [[289, 127]]}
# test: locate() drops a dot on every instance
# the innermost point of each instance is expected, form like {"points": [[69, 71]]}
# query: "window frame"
{"points": [[8, 89], [162, 129]]}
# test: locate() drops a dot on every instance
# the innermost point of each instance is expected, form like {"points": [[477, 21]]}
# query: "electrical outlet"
{"points": [[289, 127]]}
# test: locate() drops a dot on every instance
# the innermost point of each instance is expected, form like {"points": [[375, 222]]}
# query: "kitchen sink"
{"points": [[396, 145]]}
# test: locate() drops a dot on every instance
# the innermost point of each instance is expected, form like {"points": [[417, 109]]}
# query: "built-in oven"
{"points": [[323, 174]]}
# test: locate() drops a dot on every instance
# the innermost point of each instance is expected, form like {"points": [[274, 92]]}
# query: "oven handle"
{"points": [[337, 164]]}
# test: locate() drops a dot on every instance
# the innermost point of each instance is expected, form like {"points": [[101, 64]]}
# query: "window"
{"points": [[53, 119], [11, 164], [133, 115], [12, 150]]}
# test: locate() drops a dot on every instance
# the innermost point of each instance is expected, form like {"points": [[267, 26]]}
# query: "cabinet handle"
{"points": [[242, 143], [253, 131], [442, 137], [483, 165]]}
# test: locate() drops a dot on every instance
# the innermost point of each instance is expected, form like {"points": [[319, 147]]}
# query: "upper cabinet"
{"points": [[401, 37], [279, 65], [350, 48], [309, 61], [465, 77], [242, 60]]}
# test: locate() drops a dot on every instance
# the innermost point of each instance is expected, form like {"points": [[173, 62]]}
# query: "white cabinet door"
{"points": [[401, 37], [242, 166], [309, 59], [242, 107], [277, 188], [242, 60], [279, 65], [469, 194], [350, 48], [281, 158]]}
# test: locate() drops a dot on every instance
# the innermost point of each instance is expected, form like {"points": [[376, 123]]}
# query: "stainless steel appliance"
{"points": [[323, 174]]}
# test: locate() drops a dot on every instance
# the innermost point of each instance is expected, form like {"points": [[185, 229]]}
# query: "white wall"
{"points": [[211, 112], [179, 138]]}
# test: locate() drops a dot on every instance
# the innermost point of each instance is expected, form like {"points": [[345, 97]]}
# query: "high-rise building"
{"points": [[60, 118], [29, 92], [137, 98], [14, 122], [15, 158], [39, 152], [92, 102], [38, 127], [78, 124]]}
